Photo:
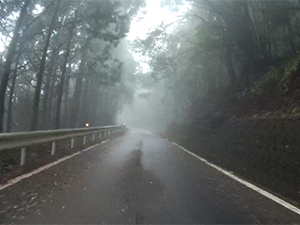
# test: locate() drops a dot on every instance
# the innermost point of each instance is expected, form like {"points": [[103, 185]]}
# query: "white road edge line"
{"points": [[47, 166], [246, 183]]}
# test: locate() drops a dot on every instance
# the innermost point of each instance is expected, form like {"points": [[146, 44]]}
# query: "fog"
{"points": [[155, 63], [216, 81], [146, 112]]}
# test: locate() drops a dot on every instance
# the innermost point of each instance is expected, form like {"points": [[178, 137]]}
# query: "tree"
{"points": [[36, 101], [9, 58], [56, 63]]}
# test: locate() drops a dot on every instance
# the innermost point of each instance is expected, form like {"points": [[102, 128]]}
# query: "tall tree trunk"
{"points": [[49, 115], [62, 80], [45, 108], [84, 114], [9, 58], [11, 94], [66, 101], [78, 88], [37, 94], [94, 98]]}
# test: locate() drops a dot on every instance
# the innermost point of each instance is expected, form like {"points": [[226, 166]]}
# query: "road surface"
{"points": [[136, 179]]}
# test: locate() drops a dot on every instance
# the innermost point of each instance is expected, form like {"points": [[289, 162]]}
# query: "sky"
{"points": [[154, 16], [144, 23]]}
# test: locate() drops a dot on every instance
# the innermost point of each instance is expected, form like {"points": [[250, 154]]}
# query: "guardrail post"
{"points": [[93, 138], [53, 148], [100, 135], [105, 134], [72, 142], [23, 156], [108, 132], [84, 140]]}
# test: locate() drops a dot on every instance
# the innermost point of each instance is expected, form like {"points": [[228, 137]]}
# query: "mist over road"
{"points": [[135, 179]]}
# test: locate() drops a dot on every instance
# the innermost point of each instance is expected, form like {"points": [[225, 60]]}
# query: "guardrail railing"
{"points": [[25, 139]]}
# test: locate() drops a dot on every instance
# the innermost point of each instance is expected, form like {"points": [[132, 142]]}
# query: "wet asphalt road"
{"points": [[136, 179]]}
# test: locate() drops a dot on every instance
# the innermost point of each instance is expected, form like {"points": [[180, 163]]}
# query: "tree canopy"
{"points": [[218, 50], [60, 68]]}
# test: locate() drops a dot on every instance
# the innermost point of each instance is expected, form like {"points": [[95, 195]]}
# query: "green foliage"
{"points": [[291, 68], [277, 79], [270, 81]]}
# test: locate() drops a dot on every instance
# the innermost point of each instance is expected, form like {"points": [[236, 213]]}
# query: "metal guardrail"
{"points": [[25, 139]]}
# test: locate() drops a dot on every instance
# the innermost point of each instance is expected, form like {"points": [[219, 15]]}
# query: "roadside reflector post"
{"points": [[84, 140], [23, 156], [53, 148], [93, 138], [72, 142]]}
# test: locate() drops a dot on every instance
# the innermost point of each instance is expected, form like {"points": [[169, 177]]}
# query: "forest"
{"points": [[226, 59], [63, 64], [66, 63]]}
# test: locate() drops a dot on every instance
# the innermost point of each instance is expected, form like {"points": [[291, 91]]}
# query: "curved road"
{"points": [[136, 179]]}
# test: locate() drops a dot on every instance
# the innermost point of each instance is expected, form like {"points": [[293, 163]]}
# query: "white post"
{"points": [[100, 135], [53, 148], [23, 157], [93, 138], [108, 132], [105, 134], [72, 142], [84, 140]]}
